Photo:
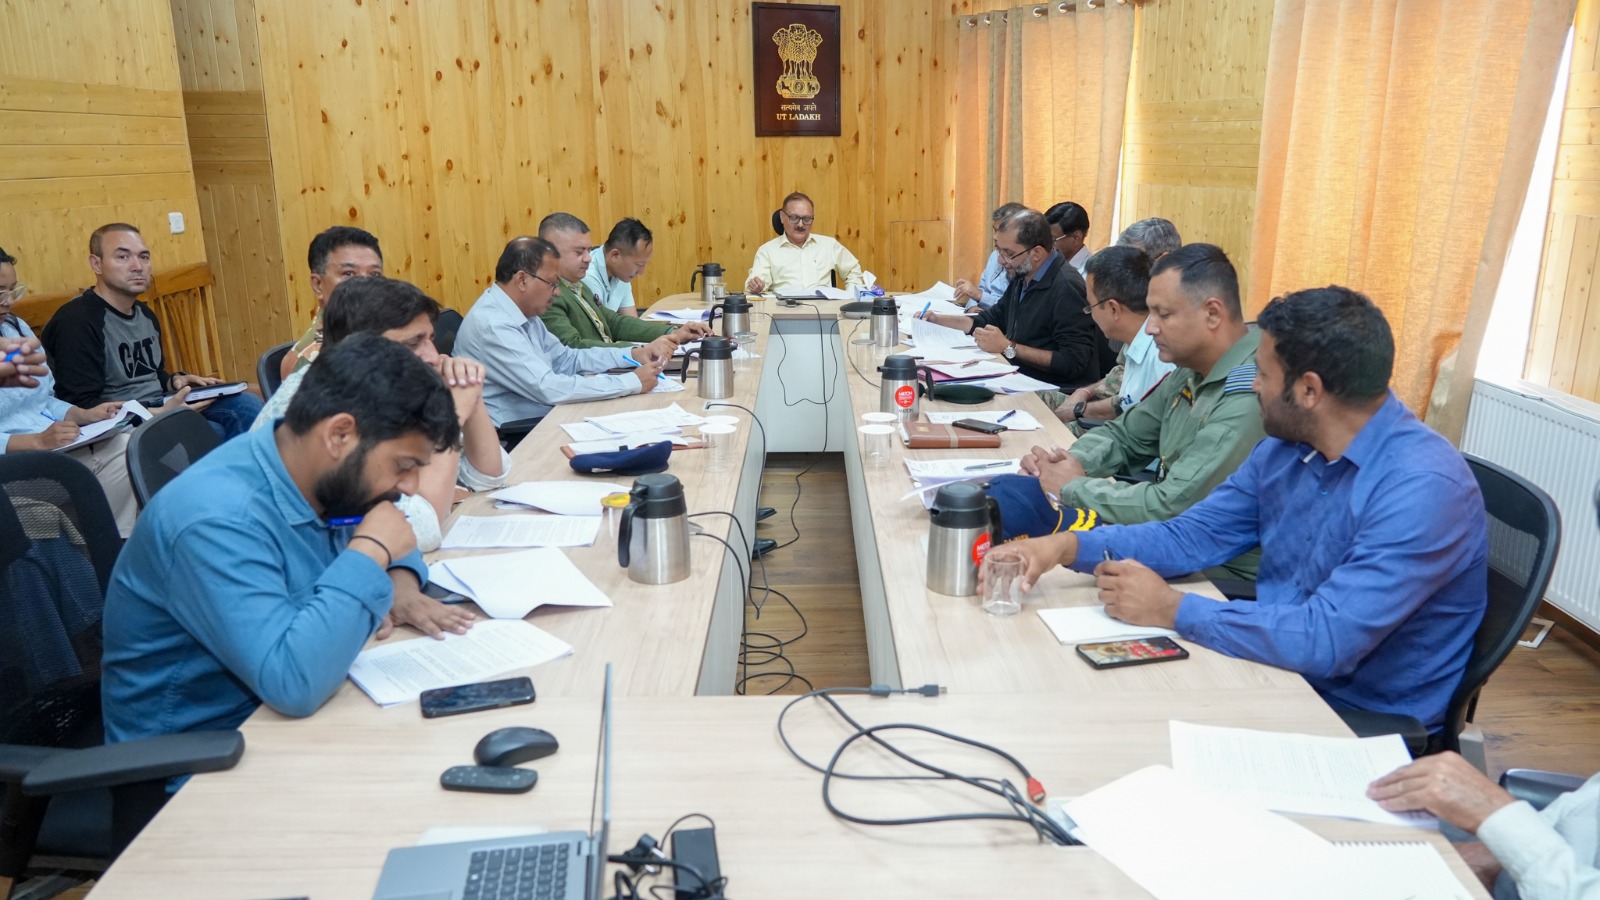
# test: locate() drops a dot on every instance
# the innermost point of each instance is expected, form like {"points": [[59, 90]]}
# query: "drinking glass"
{"points": [[1003, 569]]}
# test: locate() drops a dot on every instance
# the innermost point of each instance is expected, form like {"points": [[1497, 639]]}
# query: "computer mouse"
{"points": [[517, 744]]}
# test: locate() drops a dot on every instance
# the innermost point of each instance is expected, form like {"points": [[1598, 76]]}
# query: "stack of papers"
{"points": [[1295, 773], [399, 671], [511, 585], [930, 474], [94, 432], [659, 421], [564, 498], [952, 355], [1183, 841], [695, 345], [1018, 383], [1090, 624], [930, 338], [940, 291], [976, 370], [687, 314], [483, 532], [1015, 419]]}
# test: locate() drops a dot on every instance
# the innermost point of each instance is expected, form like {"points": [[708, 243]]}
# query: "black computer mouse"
{"points": [[517, 744]]}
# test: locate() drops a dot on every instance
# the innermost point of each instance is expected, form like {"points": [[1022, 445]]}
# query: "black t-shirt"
{"points": [[100, 355]]}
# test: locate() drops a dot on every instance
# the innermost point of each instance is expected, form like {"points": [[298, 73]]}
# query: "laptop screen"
{"points": [[602, 798]]}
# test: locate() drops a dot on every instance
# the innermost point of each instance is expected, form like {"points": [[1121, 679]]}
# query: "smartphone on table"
{"points": [[979, 425], [1115, 654], [465, 698]]}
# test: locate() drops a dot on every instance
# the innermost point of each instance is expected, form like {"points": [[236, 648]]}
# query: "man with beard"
{"points": [[1373, 536], [1039, 324], [259, 573]]}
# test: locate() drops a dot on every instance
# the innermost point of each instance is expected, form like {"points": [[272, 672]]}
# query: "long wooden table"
{"points": [[315, 804]]}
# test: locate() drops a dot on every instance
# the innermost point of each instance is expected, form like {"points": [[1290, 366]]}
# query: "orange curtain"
{"points": [[1397, 141], [1041, 97]]}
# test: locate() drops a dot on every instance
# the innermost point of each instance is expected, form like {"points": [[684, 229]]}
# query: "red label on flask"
{"points": [[904, 396], [980, 548]]}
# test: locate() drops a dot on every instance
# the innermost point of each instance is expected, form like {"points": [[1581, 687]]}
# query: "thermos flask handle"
{"points": [[683, 374], [692, 276], [625, 534]]}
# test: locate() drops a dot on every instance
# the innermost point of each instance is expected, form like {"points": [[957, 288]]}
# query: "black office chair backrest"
{"points": [[163, 447], [269, 367], [777, 221], [58, 542], [444, 331], [1524, 537]]}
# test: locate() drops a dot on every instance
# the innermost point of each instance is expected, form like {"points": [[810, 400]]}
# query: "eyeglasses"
{"points": [[799, 220], [1009, 257], [14, 294], [553, 285], [1089, 310]]}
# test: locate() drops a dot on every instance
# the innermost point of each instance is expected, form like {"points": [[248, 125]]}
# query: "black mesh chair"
{"points": [[67, 796], [269, 367], [1524, 537], [512, 433], [163, 447], [444, 331]]}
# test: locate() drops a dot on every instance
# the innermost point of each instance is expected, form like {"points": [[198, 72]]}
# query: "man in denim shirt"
{"points": [[1373, 536], [260, 572]]}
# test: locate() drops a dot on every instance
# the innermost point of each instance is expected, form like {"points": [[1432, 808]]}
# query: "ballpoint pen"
{"points": [[968, 365], [921, 315], [345, 521], [1003, 418], [993, 465], [48, 416]]}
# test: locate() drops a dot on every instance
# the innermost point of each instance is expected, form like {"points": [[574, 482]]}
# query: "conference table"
{"points": [[316, 803]]}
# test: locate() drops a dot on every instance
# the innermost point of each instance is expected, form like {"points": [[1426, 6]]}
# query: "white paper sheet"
{"points": [[511, 585], [1298, 773], [94, 431], [137, 409], [969, 371], [1384, 871], [1018, 419], [952, 355], [833, 293], [668, 419], [940, 291], [930, 337], [931, 471], [1018, 383], [1181, 841], [666, 384], [481, 532], [1088, 624], [400, 671], [564, 498]]}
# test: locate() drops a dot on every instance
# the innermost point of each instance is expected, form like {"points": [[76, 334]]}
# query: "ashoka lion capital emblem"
{"points": [[797, 47]]}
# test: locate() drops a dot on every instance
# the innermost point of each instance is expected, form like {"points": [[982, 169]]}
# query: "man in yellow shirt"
{"points": [[797, 261]]}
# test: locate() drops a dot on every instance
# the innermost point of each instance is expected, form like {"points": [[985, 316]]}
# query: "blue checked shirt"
{"points": [[1374, 570]]}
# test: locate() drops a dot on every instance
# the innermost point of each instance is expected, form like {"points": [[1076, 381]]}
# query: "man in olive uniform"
{"points": [[1200, 423], [577, 319]]}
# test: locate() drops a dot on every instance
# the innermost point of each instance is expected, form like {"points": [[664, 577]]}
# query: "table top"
{"points": [[316, 804]]}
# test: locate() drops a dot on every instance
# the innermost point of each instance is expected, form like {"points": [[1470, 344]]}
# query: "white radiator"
{"points": [[1553, 440]]}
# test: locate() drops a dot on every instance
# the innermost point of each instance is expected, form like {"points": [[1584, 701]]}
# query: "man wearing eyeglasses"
{"points": [[1118, 283], [1069, 232], [1038, 325], [528, 370], [798, 262]]}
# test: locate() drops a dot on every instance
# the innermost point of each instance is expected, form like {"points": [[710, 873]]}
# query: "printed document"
{"points": [[480, 532], [1015, 419], [564, 498], [511, 585], [1088, 624], [399, 671]]}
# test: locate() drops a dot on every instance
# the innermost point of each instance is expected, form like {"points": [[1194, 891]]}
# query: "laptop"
{"points": [[562, 865]]}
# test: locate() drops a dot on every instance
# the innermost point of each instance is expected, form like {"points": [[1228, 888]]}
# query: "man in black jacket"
{"points": [[1039, 325], [105, 344]]}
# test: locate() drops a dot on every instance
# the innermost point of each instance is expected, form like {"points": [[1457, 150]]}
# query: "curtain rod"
{"points": [[1039, 11]]}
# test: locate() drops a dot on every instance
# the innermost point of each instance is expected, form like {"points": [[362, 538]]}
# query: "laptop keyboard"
{"points": [[533, 872]]}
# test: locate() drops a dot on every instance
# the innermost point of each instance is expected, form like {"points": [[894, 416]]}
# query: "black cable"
{"points": [[753, 416], [773, 649], [1021, 810], [796, 504], [743, 625]]}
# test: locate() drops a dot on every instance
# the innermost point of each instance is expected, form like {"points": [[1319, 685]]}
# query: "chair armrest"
{"points": [[1235, 588], [130, 762], [1539, 788], [1366, 723], [17, 760], [1087, 424]]}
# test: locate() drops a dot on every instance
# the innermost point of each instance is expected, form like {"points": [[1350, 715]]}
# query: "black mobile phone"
{"points": [[465, 698], [979, 425], [1114, 654]]}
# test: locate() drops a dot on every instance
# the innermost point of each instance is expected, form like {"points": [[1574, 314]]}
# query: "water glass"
{"points": [[744, 345], [875, 443], [718, 441], [1003, 569]]}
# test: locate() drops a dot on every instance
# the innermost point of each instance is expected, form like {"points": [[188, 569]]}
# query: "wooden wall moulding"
{"points": [[796, 49]]}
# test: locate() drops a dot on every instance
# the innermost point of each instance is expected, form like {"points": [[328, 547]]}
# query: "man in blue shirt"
{"points": [[992, 283], [259, 573], [1373, 536]]}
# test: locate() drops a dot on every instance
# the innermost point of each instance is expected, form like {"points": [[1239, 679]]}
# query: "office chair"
{"points": [[1524, 537], [268, 367], [163, 447], [444, 331], [67, 797], [512, 433]]}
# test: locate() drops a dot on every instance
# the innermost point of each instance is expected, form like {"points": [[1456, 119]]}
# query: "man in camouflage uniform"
{"points": [[1200, 423]]}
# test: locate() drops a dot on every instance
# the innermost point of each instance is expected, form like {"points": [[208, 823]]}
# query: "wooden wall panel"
{"points": [[91, 131], [1564, 344], [219, 57], [1194, 119], [446, 129]]}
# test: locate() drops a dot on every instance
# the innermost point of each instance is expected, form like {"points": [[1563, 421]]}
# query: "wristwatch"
{"points": [[1010, 352], [1079, 408]]}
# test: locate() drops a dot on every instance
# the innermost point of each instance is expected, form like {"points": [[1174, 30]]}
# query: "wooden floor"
{"points": [[1541, 710]]}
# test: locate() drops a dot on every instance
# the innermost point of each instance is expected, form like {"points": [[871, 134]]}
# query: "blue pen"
{"points": [[48, 416], [1008, 415], [345, 521], [14, 355], [925, 307]]}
